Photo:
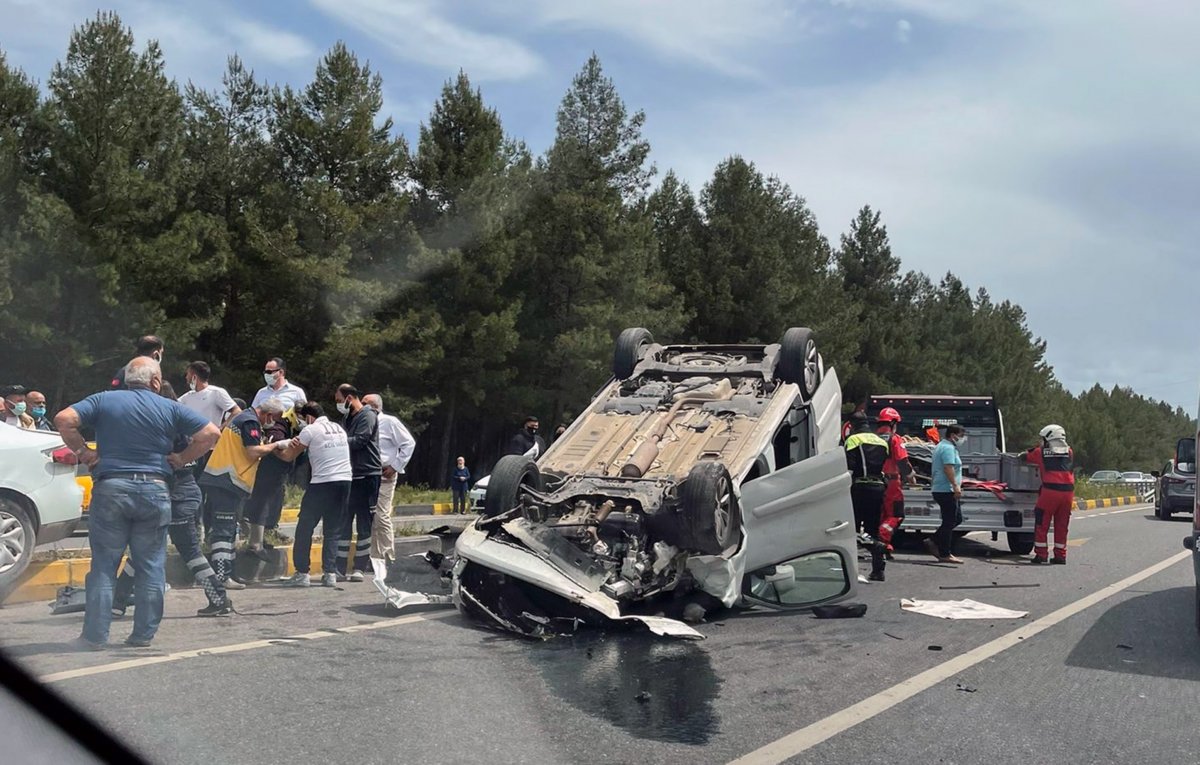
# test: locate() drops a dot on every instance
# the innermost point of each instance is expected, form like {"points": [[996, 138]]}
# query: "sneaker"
{"points": [[299, 579], [875, 576], [83, 644], [931, 548], [133, 642], [217, 609], [1059, 561], [329, 580], [234, 584], [358, 576], [1037, 561], [276, 537]]}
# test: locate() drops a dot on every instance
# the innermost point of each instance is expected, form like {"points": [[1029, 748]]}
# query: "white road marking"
{"points": [[1133, 509], [146, 661], [809, 736]]}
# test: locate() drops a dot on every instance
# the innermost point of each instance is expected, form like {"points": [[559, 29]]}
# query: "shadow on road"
{"points": [[1154, 634], [1173, 519], [653, 688]]}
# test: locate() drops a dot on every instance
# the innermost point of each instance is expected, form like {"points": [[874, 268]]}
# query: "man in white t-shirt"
{"points": [[328, 489], [277, 386], [211, 402]]}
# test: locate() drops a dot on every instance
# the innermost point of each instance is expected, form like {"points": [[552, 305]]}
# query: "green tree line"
{"points": [[468, 280]]}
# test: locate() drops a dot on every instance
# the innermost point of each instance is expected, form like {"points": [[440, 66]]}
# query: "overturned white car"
{"points": [[711, 469]]}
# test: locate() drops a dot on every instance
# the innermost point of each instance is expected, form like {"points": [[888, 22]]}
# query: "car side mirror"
{"points": [[1155, 474]]}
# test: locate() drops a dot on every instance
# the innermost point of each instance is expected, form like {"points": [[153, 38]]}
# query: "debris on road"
{"points": [[893, 637], [1124, 647], [964, 688], [643, 697], [840, 611], [992, 586], [933, 648], [959, 609]]}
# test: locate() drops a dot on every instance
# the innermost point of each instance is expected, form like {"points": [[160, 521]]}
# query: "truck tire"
{"points": [[711, 516], [799, 361], [1019, 543], [18, 538], [630, 348], [512, 472]]}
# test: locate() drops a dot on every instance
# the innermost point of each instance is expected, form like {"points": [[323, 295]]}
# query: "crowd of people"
{"points": [[880, 468], [163, 465]]}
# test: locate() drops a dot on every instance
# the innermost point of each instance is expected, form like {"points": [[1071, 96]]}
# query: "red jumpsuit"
{"points": [[1055, 501], [893, 493]]}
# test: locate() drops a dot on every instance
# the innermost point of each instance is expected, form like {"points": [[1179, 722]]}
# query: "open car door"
{"points": [[800, 544]]}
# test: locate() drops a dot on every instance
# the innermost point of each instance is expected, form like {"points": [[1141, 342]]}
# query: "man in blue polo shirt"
{"points": [[136, 431]]}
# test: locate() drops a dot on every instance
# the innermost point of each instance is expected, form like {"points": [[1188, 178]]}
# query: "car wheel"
{"points": [[1020, 544], [511, 473], [799, 361], [711, 516], [17, 540], [1164, 511], [631, 346]]}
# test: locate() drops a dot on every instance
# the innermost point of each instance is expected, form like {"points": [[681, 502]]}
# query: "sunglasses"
{"points": [[270, 371]]}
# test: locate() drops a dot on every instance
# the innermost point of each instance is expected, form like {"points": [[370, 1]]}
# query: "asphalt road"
{"points": [[1097, 673]]}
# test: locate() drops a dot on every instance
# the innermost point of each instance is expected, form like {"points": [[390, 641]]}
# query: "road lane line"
{"points": [[146, 661], [809, 736]]}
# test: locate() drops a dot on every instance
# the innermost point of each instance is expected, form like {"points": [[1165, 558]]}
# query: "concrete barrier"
{"points": [[43, 578], [1093, 504], [290, 514]]}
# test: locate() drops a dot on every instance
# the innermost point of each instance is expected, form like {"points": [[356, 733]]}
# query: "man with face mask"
{"points": [[362, 434], [228, 480], [148, 346], [36, 401], [527, 440], [277, 386], [211, 402], [15, 409], [947, 492]]}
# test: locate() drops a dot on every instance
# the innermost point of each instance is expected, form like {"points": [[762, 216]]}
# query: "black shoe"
{"points": [[129, 641], [875, 576], [1059, 561], [215, 609], [1035, 560]]}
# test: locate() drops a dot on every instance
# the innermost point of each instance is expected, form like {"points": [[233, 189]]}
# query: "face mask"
{"points": [[343, 407], [18, 409], [269, 377], [39, 411], [532, 430], [192, 385]]}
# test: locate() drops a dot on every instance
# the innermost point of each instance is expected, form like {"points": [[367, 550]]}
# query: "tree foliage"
{"points": [[467, 280]]}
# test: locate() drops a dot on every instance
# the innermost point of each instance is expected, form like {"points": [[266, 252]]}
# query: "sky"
{"points": [[1047, 151]]}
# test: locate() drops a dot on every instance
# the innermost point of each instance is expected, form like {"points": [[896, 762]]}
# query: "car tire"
{"points": [[511, 473], [1020, 543], [710, 513], [799, 361], [18, 538], [1164, 511], [631, 346]]}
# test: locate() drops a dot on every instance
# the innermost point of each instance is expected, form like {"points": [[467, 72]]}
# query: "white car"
{"points": [[711, 469], [40, 500]]}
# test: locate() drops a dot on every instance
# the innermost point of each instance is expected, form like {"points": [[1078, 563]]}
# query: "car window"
{"points": [[812, 578]]}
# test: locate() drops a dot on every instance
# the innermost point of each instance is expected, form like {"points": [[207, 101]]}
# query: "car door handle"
{"points": [[838, 527]]}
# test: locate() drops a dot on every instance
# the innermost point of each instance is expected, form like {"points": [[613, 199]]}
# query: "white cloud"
{"points": [[418, 31], [272, 44], [903, 31]]}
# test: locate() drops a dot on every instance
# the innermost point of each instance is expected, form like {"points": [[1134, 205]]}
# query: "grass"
{"points": [[1087, 490], [405, 495]]}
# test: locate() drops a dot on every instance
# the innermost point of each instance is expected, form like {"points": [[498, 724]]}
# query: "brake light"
{"points": [[64, 456]]}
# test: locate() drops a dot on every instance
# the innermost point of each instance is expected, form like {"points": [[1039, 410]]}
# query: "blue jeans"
{"points": [[134, 514]]}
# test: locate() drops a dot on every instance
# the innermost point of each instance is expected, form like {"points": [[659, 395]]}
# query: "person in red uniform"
{"points": [[896, 471], [1055, 460]]}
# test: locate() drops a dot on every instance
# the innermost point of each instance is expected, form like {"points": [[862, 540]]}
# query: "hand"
{"points": [[174, 461], [958, 490], [389, 473], [88, 456]]}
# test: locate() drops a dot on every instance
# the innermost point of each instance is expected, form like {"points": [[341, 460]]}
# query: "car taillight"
{"points": [[64, 456]]}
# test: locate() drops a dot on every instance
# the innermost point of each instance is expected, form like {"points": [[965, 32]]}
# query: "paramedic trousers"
{"points": [[951, 517], [364, 493], [1053, 506], [867, 499], [222, 535]]}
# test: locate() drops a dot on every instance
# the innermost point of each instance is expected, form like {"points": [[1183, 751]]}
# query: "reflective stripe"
{"points": [[222, 556], [1040, 544], [200, 561], [220, 545], [1058, 546]]}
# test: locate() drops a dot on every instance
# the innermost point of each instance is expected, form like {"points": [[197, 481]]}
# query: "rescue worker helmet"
{"points": [[1053, 433], [889, 415]]}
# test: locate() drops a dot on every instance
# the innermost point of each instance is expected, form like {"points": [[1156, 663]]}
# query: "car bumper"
{"points": [[54, 532], [59, 508], [1179, 503]]}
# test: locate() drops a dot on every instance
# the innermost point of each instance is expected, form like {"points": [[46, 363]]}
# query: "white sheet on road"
{"points": [[959, 609]]}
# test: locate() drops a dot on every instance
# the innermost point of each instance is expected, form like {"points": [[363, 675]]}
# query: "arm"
{"points": [[289, 450], [203, 441], [229, 415], [407, 445], [949, 471], [68, 423]]}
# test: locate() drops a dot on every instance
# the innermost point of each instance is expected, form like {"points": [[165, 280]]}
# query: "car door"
{"points": [[800, 546], [826, 408]]}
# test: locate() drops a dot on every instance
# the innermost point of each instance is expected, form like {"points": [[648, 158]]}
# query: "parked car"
{"points": [[1105, 476], [1185, 456], [710, 468], [40, 500], [1175, 491]]}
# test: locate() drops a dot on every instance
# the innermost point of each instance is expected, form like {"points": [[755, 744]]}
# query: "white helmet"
{"points": [[1053, 433]]}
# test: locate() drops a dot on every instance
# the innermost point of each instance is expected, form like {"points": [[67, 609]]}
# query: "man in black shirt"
{"points": [[362, 433], [150, 346], [526, 439]]}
